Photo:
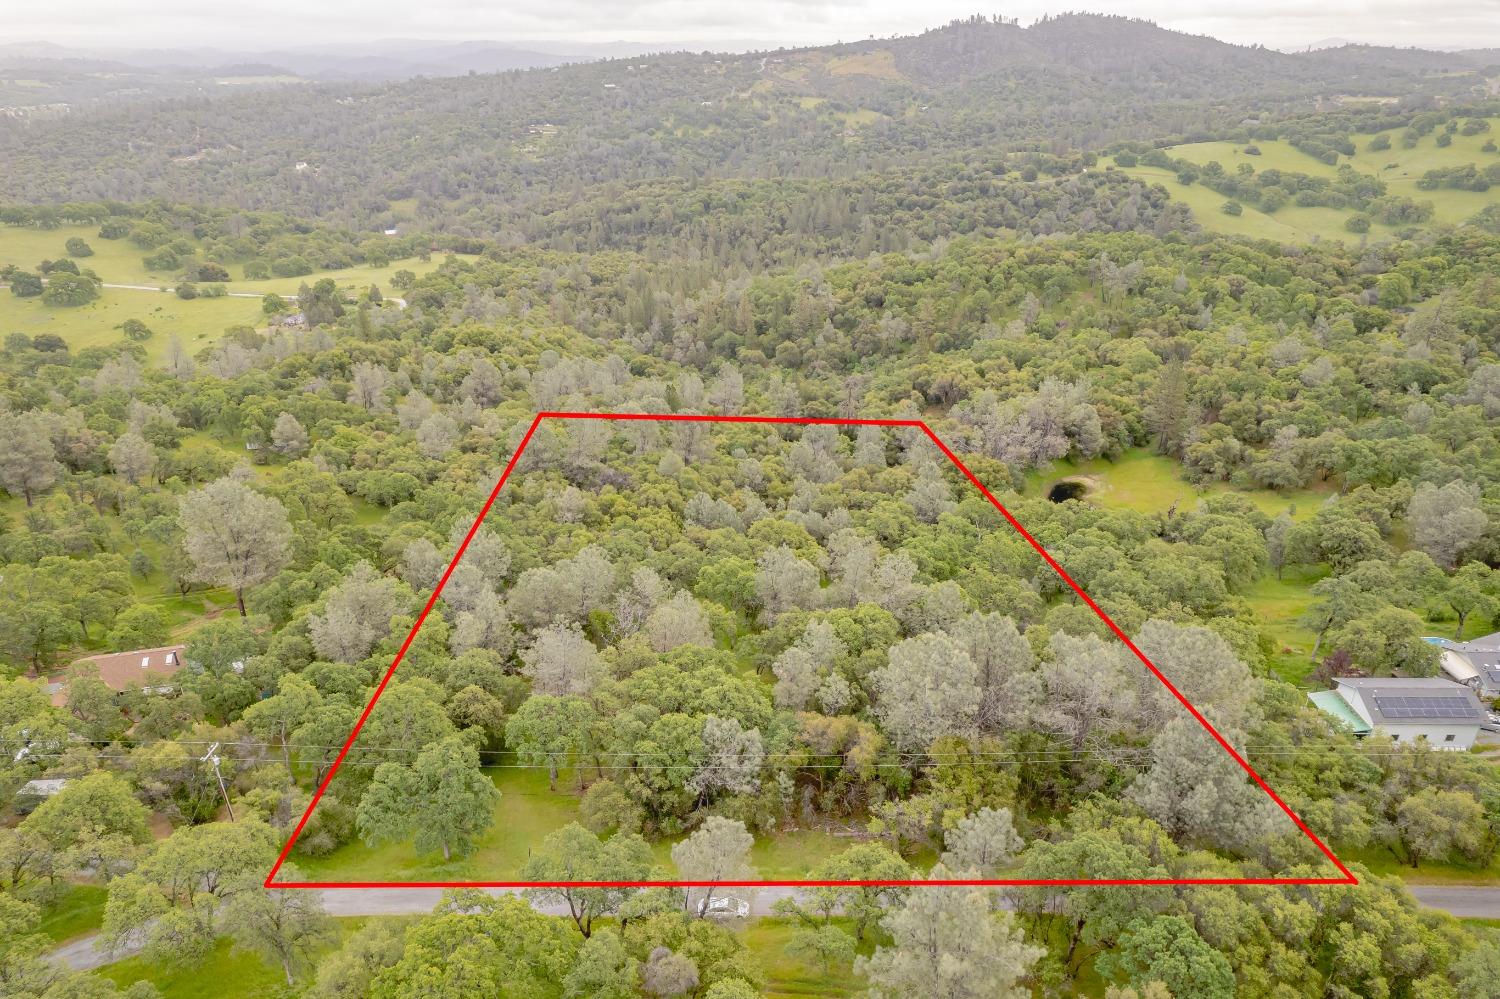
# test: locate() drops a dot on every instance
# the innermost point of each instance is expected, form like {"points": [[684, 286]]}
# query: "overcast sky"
{"points": [[244, 24]]}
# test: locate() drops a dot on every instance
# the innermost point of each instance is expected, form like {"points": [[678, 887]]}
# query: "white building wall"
{"points": [[1463, 735]]}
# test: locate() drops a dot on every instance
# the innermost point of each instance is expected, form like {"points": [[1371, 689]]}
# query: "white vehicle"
{"points": [[724, 907]]}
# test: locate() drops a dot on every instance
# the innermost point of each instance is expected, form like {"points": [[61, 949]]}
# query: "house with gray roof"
{"points": [[1447, 715], [1474, 663]]}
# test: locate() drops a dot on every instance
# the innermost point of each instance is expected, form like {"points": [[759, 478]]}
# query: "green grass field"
{"points": [[1400, 168], [527, 812], [119, 261], [197, 323], [1278, 606], [75, 912], [225, 974], [786, 976], [1151, 483]]}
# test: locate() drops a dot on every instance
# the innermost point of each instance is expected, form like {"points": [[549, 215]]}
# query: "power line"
{"points": [[575, 764]]}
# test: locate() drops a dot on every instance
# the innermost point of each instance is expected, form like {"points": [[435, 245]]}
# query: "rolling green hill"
{"points": [[1398, 167]]}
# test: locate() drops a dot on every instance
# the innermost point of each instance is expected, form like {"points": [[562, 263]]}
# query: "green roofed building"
{"points": [[1330, 703]]}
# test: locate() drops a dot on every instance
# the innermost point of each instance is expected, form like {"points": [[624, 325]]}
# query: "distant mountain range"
{"points": [[466, 142], [382, 60], [398, 59]]}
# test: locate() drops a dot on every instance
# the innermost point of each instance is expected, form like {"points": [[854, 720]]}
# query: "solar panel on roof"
{"points": [[1425, 707]]}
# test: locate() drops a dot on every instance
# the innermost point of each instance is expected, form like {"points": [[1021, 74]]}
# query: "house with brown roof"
{"points": [[152, 669]]}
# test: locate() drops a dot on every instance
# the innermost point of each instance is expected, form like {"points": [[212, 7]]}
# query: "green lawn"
{"points": [[78, 910], [527, 812], [787, 976], [224, 974]]}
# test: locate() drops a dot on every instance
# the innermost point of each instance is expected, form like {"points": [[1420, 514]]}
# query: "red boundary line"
{"points": [[1348, 877]]}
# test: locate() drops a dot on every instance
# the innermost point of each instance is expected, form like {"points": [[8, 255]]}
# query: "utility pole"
{"points": [[212, 756]]}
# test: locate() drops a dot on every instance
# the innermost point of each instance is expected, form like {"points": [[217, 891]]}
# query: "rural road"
{"points": [[1481, 901], [400, 302], [152, 287], [81, 955]]}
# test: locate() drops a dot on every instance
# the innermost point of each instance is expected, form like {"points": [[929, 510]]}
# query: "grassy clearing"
{"points": [[1402, 168], [1152, 483], [77, 911], [860, 118], [1278, 606], [527, 812], [1275, 154], [881, 64], [350, 279], [786, 976], [224, 974], [1205, 205], [119, 261], [197, 323]]}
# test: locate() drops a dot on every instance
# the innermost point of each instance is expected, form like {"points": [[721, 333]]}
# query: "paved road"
{"points": [[82, 954], [1460, 900]]}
